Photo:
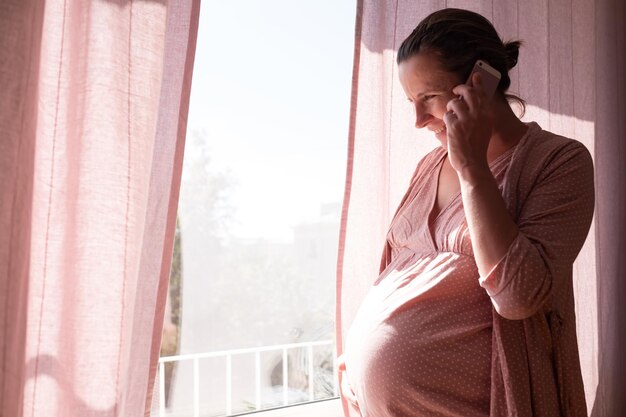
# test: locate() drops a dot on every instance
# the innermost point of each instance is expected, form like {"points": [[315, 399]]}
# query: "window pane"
{"points": [[258, 226]]}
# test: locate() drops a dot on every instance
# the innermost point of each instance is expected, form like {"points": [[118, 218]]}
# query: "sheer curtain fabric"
{"points": [[92, 124]]}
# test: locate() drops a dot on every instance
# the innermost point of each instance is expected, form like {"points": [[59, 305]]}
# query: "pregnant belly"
{"points": [[421, 342]]}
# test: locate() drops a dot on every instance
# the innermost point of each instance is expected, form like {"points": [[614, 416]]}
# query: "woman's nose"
{"points": [[422, 117]]}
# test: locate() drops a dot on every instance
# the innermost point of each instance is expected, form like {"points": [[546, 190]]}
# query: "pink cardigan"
{"points": [[549, 191]]}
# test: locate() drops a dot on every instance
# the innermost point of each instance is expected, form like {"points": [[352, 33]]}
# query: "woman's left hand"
{"points": [[345, 389], [468, 126]]}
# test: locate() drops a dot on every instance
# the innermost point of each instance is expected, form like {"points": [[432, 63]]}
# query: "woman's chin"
{"points": [[442, 138]]}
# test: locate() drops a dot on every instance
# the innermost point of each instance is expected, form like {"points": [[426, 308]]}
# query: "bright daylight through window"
{"points": [[250, 314]]}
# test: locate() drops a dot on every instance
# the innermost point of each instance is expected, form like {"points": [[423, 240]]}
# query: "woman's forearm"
{"points": [[490, 225]]}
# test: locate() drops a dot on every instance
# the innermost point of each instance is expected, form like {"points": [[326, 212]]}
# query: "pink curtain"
{"points": [[571, 72], [93, 105]]}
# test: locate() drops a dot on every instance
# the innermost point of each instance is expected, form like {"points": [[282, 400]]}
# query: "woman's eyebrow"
{"points": [[430, 92]]}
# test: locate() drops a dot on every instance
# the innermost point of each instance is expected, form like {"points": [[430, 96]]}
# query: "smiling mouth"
{"points": [[440, 130]]}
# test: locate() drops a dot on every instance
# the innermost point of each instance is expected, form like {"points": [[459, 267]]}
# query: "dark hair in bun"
{"points": [[459, 38], [512, 53]]}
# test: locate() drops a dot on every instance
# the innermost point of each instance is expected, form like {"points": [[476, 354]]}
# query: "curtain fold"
{"points": [[92, 124], [571, 72]]}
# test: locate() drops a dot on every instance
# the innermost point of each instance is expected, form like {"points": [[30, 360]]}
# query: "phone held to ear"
{"points": [[490, 77]]}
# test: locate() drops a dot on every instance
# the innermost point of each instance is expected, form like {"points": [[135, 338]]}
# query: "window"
{"points": [[250, 316]]}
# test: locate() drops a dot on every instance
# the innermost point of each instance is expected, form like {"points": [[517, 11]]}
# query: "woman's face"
{"points": [[429, 88]]}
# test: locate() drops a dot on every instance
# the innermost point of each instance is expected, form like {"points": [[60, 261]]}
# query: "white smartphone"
{"points": [[489, 75]]}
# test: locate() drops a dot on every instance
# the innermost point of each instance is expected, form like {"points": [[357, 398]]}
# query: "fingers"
{"points": [[450, 118], [477, 80], [474, 83], [347, 392], [472, 94], [341, 363], [469, 100], [458, 107]]}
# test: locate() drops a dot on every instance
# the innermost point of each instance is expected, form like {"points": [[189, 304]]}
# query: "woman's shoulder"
{"points": [[543, 158], [541, 152], [429, 161], [543, 144]]}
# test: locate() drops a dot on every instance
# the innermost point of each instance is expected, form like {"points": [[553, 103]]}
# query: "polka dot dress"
{"points": [[421, 342]]}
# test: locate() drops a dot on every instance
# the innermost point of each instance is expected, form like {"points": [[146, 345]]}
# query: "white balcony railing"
{"points": [[228, 355]]}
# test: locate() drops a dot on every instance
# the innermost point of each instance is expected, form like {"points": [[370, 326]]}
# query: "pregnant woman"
{"points": [[472, 314]]}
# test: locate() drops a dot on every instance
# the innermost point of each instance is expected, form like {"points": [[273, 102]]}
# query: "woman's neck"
{"points": [[507, 129]]}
